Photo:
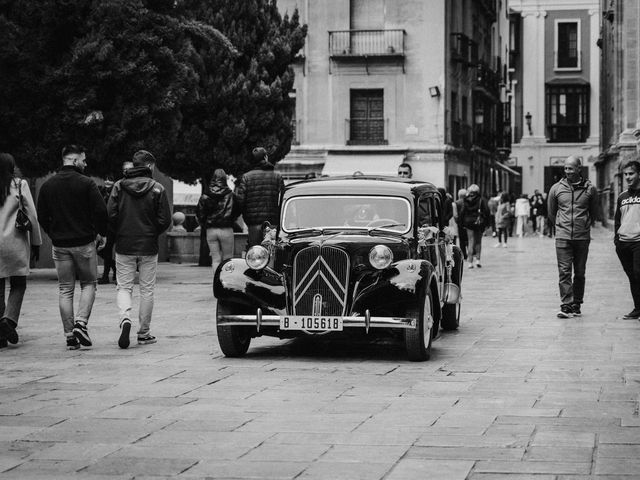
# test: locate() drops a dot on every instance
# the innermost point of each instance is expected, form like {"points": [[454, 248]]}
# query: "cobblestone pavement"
{"points": [[515, 393]]}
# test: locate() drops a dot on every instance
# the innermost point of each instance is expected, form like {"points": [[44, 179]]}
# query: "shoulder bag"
{"points": [[23, 224]]}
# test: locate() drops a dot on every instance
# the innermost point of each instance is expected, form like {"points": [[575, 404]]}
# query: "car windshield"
{"points": [[346, 212]]}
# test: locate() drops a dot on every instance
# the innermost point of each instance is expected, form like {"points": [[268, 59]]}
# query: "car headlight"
{"points": [[380, 257], [257, 257]]}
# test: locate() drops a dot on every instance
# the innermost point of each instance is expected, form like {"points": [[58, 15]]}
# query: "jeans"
{"points": [[72, 262], [572, 254], [126, 266], [475, 243], [11, 309], [220, 242], [629, 255]]}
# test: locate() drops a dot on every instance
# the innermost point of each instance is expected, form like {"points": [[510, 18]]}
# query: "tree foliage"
{"points": [[199, 83]]}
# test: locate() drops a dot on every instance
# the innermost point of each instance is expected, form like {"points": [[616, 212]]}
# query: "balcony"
{"points": [[487, 81], [367, 131], [366, 45], [568, 133]]}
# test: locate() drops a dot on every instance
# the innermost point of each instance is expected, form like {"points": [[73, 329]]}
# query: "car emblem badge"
{"points": [[317, 305]]}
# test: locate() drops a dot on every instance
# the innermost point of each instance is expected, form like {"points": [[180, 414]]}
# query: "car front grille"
{"points": [[320, 281]]}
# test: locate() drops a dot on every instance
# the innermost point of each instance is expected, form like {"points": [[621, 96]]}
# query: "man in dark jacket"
{"points": [[572, 206], [139, 212], [73, 213], [475, 218], [258, 195]]}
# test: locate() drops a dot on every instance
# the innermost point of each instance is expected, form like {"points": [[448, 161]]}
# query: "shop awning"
{"points": [[507, 169]]}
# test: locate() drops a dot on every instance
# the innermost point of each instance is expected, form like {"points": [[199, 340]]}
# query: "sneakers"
{"points": [[72, 343], [632, 315], [504, 245], [146, 339], [497, 245], [471, 265], [125, 328], [566, 311], [81, 333], [575, 308], [8, 330], [478, 264]]}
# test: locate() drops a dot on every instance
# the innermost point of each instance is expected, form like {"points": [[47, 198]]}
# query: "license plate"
{"points": [[301, 322]]}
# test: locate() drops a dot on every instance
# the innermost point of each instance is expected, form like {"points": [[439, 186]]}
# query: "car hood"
{"points": [[356, 244]]}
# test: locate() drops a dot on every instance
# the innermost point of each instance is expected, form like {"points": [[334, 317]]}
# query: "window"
{"points": [[567, 113], [567, 45], [367, 117]]}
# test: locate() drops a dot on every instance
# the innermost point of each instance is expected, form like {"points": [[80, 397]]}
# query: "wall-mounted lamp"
{"points": [[478, 116], [527, 118], [434, 91]]}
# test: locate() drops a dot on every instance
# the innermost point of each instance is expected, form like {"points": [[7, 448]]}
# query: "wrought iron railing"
{"points": [[366, 131], [354, 43]]}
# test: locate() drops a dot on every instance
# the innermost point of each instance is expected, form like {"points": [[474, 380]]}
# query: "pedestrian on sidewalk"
{"points": [[538, 212], [627, 232], [216, 212], [523, 208], [258, 196], [572, 205], [475, 218], [503, 217], [463, 241], [109, 263], [139, 212], [16, 247], [72, 212]]}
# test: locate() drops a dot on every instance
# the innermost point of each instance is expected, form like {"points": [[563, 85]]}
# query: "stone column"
{"points": [[594, 78]]}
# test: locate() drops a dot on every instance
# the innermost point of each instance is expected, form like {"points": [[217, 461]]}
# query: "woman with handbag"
{"points": [[19, 237]]}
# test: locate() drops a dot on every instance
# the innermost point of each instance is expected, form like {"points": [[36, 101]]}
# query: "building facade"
{"points": [[620, 96], [382, 81], [555, 86]]}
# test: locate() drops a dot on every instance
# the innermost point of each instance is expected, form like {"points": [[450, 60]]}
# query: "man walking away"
{"points": [[139, 212], [258, 195], [627, 232], [73, 213], [572, 206]]}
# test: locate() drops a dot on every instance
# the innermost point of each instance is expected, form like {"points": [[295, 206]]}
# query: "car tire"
{"points": [[418, 340], [234, 341]]}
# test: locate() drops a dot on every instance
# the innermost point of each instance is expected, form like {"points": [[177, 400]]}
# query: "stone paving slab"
{"points": [[515, 393]]}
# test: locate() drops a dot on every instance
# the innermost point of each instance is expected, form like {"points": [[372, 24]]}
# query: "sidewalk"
{"points": [[515, 393]]}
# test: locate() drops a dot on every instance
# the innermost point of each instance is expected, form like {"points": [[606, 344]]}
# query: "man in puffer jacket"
{"points": [[258, 195], [572, 206], [139, 212]]}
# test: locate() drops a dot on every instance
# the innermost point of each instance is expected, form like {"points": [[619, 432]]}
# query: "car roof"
{"points": [[359, 185]]}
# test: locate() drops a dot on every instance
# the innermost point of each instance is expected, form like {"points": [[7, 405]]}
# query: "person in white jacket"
{"points": [[522, 214]]}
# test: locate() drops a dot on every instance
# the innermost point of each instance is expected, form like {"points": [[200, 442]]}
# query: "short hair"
{"points": [[258, 154], [72, 149], [406, 165], [575, 159], [142, 158], [504, 198], [633, 163], [473, 188], [462, 192]]}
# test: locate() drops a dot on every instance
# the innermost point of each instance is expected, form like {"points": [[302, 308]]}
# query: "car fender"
{"points": [[235, 281], [409, 273]]}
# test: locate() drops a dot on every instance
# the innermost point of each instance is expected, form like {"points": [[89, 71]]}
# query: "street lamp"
{"points": [[479, 116], [527, 119]]}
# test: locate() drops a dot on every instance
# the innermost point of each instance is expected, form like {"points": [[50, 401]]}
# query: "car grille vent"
{"points": [[320, 281]]}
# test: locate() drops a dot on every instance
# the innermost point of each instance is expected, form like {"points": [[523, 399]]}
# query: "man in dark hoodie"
{"points": [[139, 212], [258, 195], [72, 212], [572, 205]]}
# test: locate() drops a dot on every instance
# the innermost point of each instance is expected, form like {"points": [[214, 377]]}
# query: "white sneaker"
{"points": [[478, 264], [471, 265], [504, 245], [497, 245]]}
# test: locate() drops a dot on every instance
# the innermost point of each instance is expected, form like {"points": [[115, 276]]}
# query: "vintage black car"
{"points": [[357, 253]]}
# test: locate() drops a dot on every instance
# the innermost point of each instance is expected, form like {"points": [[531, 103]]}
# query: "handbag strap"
{"points": [[18, 181]]}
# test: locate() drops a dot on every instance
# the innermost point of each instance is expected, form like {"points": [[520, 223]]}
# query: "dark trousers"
{"points": [[572, 255], [11, 309], [464, 240], [107, 255], [629, 255], [255, 235]]}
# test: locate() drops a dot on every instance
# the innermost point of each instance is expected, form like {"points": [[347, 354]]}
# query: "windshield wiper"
{"points": [[306, 231], [389, 225]]}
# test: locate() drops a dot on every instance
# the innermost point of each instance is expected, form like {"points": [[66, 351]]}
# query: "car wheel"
{"points": [[234, 341], [418, 340]]}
